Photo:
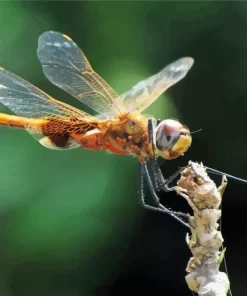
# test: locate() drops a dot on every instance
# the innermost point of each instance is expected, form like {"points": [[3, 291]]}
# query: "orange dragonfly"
{"points": [[119, 126]]}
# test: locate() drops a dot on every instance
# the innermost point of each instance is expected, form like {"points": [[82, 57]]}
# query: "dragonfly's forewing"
{"points": [[66, 66], [145, 92]]}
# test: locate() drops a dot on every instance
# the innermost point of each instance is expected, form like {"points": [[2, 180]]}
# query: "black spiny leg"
{"points": [[152, 162], [155, 179], [143, 172], [151, 134], [162, 183]]}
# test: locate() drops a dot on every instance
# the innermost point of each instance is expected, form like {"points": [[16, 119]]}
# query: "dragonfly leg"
{"points": [[143, 171], [163, 184], [152, 162], [160, 183], [151, 134]]}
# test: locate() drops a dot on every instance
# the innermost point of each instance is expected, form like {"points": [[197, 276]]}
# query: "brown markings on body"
{"points": [[126, 134], [121, 135], [60, 131]]}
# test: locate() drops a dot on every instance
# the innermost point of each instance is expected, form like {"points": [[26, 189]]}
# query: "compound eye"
{"points": [[167, 134]]}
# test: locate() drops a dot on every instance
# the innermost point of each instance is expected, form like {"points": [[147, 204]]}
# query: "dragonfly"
{"points": [[116, 124]]}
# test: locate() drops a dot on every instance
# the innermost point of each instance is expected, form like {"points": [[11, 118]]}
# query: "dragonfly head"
{"points": [[172, 139]]}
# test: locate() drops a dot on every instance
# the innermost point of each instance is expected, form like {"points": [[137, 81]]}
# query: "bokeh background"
{"points": [[70, 222]]}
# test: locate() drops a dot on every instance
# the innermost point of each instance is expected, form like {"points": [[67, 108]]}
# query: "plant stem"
{"points": [[205, 239]]}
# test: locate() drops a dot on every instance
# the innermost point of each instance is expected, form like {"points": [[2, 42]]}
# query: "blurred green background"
{"points": [[70, 221]]}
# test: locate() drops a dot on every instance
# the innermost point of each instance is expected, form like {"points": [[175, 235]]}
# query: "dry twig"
{"points": [[205, 240]]}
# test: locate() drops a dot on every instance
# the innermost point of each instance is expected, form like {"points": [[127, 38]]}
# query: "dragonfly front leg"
{"points": [[143, 172], [151, 135], [162, 183], [152, 162]]}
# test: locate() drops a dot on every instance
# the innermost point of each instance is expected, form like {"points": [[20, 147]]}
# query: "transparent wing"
{"points": [[39, 113], [26, 100], [145, 92], [66, 66]]}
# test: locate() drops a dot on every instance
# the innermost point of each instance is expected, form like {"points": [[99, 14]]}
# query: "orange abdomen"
{"points": [[12, 121]]}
